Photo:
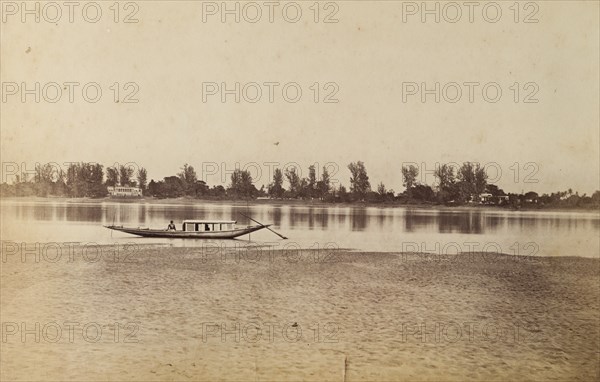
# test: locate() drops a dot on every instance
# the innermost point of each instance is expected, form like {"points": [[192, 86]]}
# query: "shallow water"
{"points": [[165, 313], [440, 231]]}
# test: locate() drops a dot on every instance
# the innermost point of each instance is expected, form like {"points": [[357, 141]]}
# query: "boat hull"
{"points": [[157, 233]]}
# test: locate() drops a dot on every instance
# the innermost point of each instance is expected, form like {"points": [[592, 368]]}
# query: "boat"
{"points": [[195, 229]]}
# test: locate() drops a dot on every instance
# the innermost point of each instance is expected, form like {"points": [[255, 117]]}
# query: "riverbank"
{"points": [[189, 315], [291, 203]]}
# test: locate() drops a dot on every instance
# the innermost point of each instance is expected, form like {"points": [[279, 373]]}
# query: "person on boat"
{"points": [[171, 227]]}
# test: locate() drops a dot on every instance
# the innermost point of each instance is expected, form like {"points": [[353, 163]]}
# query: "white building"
{"points": [[124, 191], [485, 198]]}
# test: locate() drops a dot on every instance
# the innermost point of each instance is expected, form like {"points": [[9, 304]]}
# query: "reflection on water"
{"points": [[358, 217], [365, 228]]}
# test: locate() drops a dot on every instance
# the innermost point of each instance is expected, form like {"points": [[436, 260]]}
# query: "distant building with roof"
{"points": [[124, 191]]}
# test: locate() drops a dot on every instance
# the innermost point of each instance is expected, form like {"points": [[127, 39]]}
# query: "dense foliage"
{"points": [[465, 185]]}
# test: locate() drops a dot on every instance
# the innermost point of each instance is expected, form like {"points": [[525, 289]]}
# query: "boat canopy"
{"points": [[210, 221]]}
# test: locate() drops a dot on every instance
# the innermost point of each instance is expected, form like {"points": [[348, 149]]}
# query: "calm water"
{"points": [[361, 228]]}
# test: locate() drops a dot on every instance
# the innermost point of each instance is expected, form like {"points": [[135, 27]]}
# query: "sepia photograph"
{"points": [[304, 190]]}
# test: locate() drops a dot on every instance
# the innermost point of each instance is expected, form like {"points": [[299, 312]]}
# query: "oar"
{"points": [[281, 236]]}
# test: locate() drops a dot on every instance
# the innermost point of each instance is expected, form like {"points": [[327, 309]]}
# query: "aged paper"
{"points": [[299, 190]]}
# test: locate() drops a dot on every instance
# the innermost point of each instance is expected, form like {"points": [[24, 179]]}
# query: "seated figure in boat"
{"points": [[196, 229]]}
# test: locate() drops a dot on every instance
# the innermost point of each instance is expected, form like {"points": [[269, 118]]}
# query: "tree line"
{"points": [[467, 184]]}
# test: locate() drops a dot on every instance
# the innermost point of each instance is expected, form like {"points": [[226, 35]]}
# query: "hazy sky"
{"points": [[370, 54]]}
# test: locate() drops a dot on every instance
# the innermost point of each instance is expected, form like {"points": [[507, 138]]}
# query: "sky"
{"points": [[373, 66]]}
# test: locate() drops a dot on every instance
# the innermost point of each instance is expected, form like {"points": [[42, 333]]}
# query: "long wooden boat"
{"points": [[195, 229]]}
